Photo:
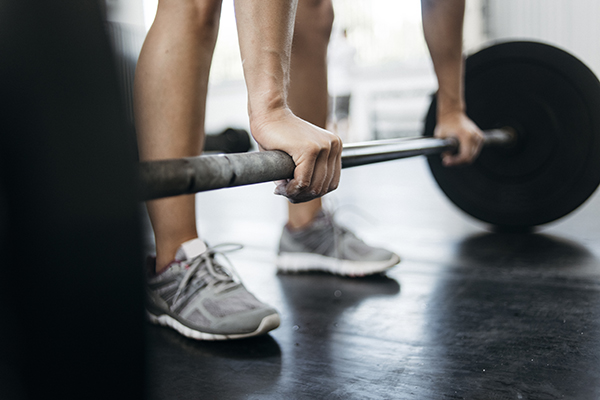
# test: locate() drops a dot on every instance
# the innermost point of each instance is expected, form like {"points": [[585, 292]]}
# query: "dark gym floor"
{"points": [[468, 314]]}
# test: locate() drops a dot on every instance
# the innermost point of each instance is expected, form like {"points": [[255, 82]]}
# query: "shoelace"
{"points": [[340, 231], [204, 270]]}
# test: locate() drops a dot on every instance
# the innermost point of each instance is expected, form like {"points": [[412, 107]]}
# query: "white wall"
{"points": [[130, 12], [573, 25], [474, 32]]}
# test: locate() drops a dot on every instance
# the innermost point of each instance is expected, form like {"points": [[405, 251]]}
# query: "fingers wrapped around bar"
{"points": [[468, 134], [315, 151]]}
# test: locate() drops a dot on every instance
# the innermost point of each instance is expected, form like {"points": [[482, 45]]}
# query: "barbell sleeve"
{"points": [[165, 178]]}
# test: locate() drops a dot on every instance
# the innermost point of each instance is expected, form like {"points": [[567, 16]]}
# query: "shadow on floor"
{"points": [[516, 317]]}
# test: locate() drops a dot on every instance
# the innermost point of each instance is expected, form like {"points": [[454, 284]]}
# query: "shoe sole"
{"points": [[302, 262], [267, 324]]}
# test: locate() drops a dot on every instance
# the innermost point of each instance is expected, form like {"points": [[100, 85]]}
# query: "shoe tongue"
{"points": [[190, 249]]}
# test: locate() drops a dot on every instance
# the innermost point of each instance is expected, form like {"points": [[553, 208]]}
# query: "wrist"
{"points": [[261, 116], [447, 108], [266, 103], [267, 85]]}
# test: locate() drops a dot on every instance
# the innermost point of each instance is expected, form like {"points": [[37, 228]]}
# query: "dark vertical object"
{"points": [[126, 42], [70, 278]]}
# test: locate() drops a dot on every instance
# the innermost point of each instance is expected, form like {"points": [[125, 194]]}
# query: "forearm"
{"points": [[443, 26], [265, 29]]}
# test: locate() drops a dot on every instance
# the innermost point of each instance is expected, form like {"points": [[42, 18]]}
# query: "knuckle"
{"points": [[301, 185], [314, 148], [325, 148], [336, 144]]}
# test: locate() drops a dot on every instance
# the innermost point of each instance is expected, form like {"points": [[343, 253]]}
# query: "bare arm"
{"points": [[265, 30], [443, 25]]}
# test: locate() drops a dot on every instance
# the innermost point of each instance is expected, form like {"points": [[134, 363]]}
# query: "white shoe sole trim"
{"points": [[298, 262], [267, 324]]}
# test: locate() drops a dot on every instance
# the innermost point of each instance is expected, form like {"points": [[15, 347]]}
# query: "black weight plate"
{"points": [[553, 101]]}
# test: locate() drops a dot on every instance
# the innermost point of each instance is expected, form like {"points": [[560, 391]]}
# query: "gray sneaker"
{"points": [[326, 246], [201, 299]]}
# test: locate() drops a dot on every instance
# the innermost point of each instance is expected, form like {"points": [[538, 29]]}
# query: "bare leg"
{"points": [[308, 81], [170, 98], [319, 246]]}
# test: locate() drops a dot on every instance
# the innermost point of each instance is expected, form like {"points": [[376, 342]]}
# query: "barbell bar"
{"points": [[364, 153], [539, 108], [174, 177]]}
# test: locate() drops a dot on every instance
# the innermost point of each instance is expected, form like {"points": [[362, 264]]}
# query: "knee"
{"points": [[207, 12], [326, 17], [313, 17], [201, 15]]}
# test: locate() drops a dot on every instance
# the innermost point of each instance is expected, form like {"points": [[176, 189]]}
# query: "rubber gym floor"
{"points": [[467, 314]]}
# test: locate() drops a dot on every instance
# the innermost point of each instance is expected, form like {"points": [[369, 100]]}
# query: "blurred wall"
{"points": [[573, 25], [130, 12]]}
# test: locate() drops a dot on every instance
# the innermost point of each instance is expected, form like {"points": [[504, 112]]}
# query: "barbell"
{"points": [[539, 108]]}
